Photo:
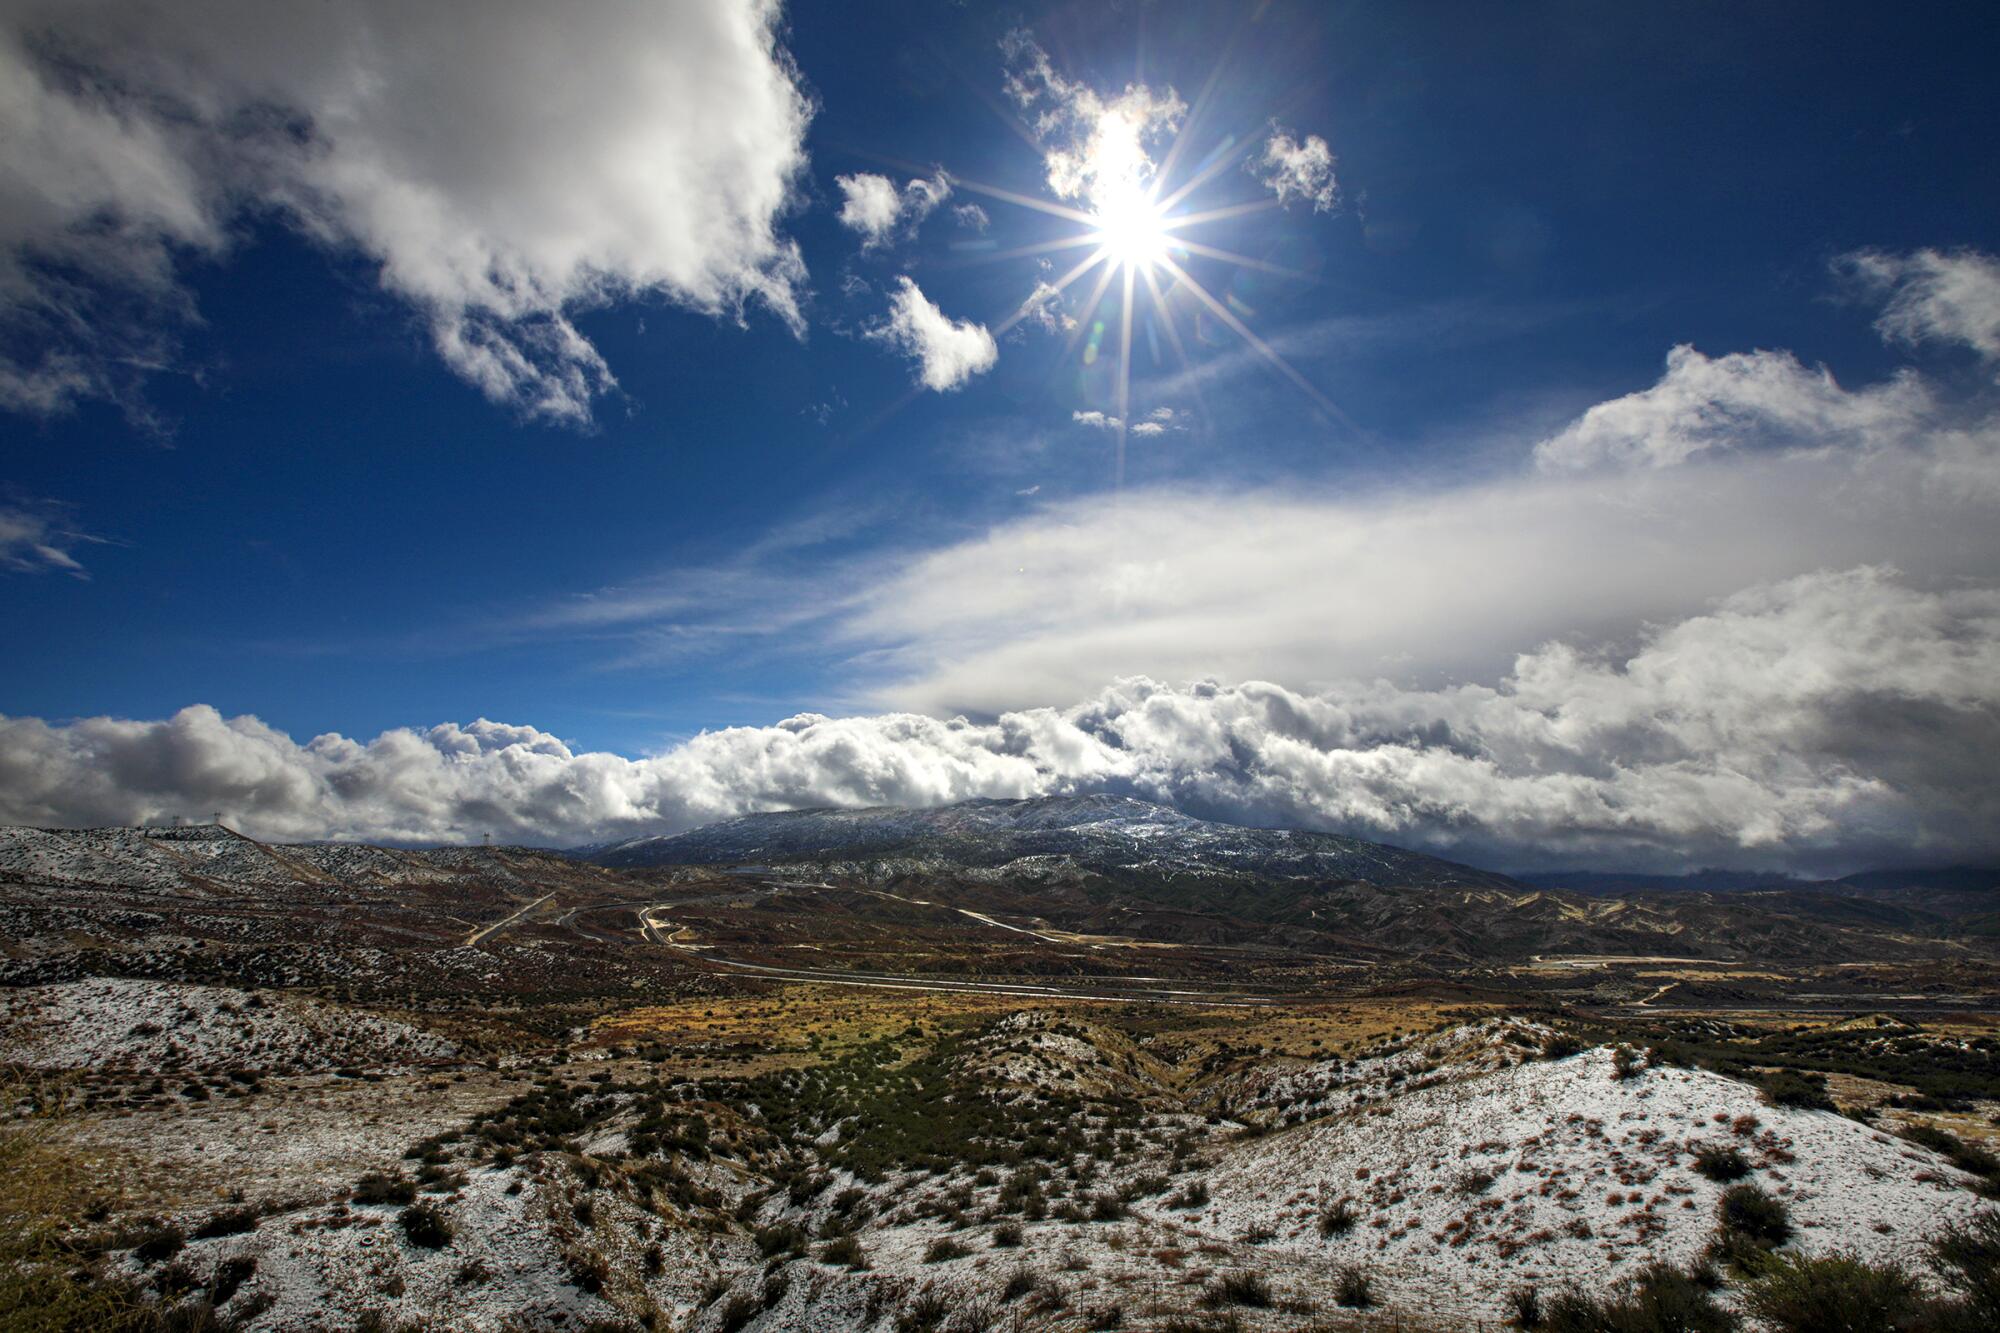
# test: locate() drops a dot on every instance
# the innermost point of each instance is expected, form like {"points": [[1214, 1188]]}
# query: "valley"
{"points": [[1042, 1065]]}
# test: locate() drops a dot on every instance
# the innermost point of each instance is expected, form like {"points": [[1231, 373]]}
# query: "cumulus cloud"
{"points": [[1932, 296], [1297, 169], [416, 135], [38, 537], [972, 217], [947, 352], [1156, 422], [1822, 720], [880, 213], [1742, 400], [1096, 148]]}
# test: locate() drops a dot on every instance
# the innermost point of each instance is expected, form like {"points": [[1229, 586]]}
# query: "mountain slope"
{"points": [[1116, 836]]}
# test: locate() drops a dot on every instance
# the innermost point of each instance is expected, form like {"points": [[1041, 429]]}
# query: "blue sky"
{"points": [[273, 491]]}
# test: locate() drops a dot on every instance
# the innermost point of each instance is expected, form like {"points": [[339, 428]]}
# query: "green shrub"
{"points": [[1805, 1294], [1720, 1162], [1659, 1299], [1965, 1256], [1787, 1087], [1746, 1211]]}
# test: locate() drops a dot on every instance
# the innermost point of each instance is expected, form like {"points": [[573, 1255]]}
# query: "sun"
{"points": [[1132, 230]]}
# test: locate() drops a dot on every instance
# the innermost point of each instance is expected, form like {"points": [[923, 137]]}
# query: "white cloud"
{"points": [[1295, 169], [1044, 309], [1932, 296], [1095, 148], [503, 166], [972, 217], [1154, 424], [876, 209], [1832, 718], [947, 352], [36, 537], [1742, 400]]}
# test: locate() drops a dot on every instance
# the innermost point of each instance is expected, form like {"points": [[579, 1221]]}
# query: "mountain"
{"points": [[1115, 836]]}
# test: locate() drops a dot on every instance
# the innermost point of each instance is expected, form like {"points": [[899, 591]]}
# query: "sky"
{"points": [[1559, 435]]}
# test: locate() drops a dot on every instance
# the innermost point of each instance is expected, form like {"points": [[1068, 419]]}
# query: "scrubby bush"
{"points": [[943, 1250], [227, 1222], [1352, 1288], [1788, 1087], [845, 1251], [1805, 1294], [1006, 1236], [1660, 1299], [1238, 1288], [1720, 1163], [1748, 1212], [375, 1187], [1625, 1063], [1560, 1046], [1965, 1256], [159, 1244], [1525, 1306], [426, 1226], [1336, 1219], [1194, 1194]]}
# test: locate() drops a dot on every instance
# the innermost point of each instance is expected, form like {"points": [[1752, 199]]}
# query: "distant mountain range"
{"points": [[1114, 836]]}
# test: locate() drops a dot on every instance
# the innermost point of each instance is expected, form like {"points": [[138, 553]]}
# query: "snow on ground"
{"points": [[514, 1260], [120, 1023], [1559, 1172]]}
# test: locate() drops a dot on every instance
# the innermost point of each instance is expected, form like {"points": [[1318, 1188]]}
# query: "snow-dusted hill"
{"points": [[1101, 833]]}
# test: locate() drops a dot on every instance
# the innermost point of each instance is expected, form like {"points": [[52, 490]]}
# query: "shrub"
{"points": [[1560, 1046], [846, 1250], [426, 1226], [1352, 1288], [1659, 1300], [230, 1275], [158, 1244], [943, 1250], [1720, 1163], [1788, 1087], [1625, 1063], [1802, 1294], [1194, 1194], [740, 1310], [1525, 1303], [1966, 1258], [1019, 1283], [1746, 1211], [1239, 1288], [1336, 1219], [1006, 1236], [227, 1222], [375, 1187], [927, 1310]]}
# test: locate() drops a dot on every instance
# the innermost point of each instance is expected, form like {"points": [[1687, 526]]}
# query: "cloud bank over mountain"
{"points": [[1775, 729], [425, 138]]}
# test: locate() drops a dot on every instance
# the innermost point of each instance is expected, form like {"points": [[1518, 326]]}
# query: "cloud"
{"points": [[1095, 148], [1044, 309], [876, 209], [1154, 424], [947, 352], [1296, 169], [141, 137], [1932, 296], [1824, 720], [1742, 400], [36, 537], [972, 217]]}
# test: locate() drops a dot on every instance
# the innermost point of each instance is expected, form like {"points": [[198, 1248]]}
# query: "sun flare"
{"points": [[1133, 231]]}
